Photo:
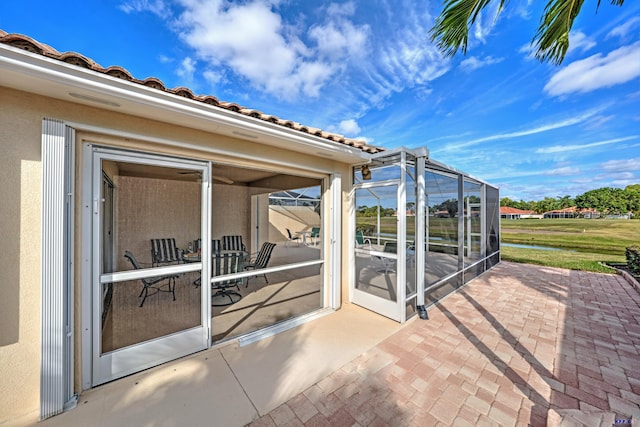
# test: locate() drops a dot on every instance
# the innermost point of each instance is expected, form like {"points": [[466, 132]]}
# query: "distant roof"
{"points": [[510, 210], [26, 43]]}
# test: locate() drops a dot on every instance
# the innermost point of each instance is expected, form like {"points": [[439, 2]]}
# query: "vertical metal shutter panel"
{"points": [[56, 381]]}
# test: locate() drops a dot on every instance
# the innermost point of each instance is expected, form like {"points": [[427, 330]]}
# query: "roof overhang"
{"points": [[30, 72]]}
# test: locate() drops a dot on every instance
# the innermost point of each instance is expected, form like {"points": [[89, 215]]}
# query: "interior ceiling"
{"points": [[222, 174]]}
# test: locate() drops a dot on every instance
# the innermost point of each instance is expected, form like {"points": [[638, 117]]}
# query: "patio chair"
{"points": [[223, 264], [315, 234], [292, 238], [165, 251], [152, 283], [261, 260], [361, 240], [233, 243], [386, 263], [216, 245]]}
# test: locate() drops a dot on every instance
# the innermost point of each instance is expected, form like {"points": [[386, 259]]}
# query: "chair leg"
{"points": [[173, 288], [145, 291]]}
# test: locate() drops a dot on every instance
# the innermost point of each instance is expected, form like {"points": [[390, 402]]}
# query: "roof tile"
{"points": [[26, 43]]}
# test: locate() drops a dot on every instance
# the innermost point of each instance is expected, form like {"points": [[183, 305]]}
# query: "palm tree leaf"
{"points": [[451, 29], [552, 37]]}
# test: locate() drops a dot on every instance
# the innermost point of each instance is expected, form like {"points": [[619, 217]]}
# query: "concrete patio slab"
{"points": [[275, 369]]}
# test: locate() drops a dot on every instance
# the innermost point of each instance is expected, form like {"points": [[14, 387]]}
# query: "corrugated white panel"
{"points": [[56, 365]]}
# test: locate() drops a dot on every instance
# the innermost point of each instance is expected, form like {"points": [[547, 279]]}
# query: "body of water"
{"points": [[544, 248]]}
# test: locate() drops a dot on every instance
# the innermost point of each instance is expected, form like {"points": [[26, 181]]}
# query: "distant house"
{"points": [[573, 212], [507, 212]]}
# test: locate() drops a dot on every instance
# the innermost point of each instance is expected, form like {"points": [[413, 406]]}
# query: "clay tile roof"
{"points": [[23, 42], [119, 72], [510, 210]]}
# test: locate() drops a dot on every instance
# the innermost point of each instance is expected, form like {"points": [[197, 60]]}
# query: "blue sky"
{"points": [[366, 69]]}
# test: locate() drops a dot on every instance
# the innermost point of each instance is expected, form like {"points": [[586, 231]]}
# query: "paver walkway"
{"points": [[517, 346]]}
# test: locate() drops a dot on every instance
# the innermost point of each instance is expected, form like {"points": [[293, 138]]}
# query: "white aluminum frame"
{"points": [[56, 371], [118, 363]]}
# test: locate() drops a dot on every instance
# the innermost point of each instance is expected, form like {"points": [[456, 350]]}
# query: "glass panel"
{"points": [[264, 208], [441, 257], [437, 292], [411, 236], [493, 220], [287, 294], [473, 272], [410, 308], [472, 222], [376, 241], [141, 203]]}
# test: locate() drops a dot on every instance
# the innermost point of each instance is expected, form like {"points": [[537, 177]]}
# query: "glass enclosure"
{"points": [[422, 230]]}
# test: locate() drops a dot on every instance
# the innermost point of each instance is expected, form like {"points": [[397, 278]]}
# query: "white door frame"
{"points": [[99, 368], [392, 309]]}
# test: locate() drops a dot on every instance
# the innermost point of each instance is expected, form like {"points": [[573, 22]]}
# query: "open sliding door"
{"points": [[147, 307], [378, 278]]}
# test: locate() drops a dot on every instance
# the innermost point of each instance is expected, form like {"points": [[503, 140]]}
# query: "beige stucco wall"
{"points": [[21, 117], [20, 175]]}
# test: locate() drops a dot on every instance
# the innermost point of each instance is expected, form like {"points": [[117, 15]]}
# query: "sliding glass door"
{"points": [[147, 305]]}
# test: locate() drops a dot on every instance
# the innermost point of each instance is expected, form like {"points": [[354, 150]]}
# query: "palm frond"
{"points": [[451, 29], [552, 37]]}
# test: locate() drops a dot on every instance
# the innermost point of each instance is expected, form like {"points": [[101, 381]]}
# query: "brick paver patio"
{"points": [[520, 345]]}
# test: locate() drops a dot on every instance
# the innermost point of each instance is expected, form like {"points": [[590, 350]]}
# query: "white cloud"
{"points": [[626, 29], [252, 40], [596, 72], [349, 127], [543, 128], [564, 171], [564, 148], [157, 7], [486, 21], [579, 42], [632, 165], [186, 70], [473, 63]]}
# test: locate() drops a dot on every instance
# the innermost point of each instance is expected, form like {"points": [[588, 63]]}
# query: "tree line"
{"points": [[607, 200]]}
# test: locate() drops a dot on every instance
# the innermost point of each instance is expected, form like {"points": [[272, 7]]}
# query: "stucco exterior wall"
{"points": [[20, 192], [21, 117]]}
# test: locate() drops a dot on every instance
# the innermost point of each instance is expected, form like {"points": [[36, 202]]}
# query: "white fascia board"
{"points": [[23, 70]]}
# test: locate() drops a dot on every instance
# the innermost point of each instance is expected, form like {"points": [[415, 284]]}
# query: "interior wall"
{"points": [[149, 208], [231, 212]]}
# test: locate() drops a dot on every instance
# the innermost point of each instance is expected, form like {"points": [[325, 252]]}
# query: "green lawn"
{"points": [[585, 243]]}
